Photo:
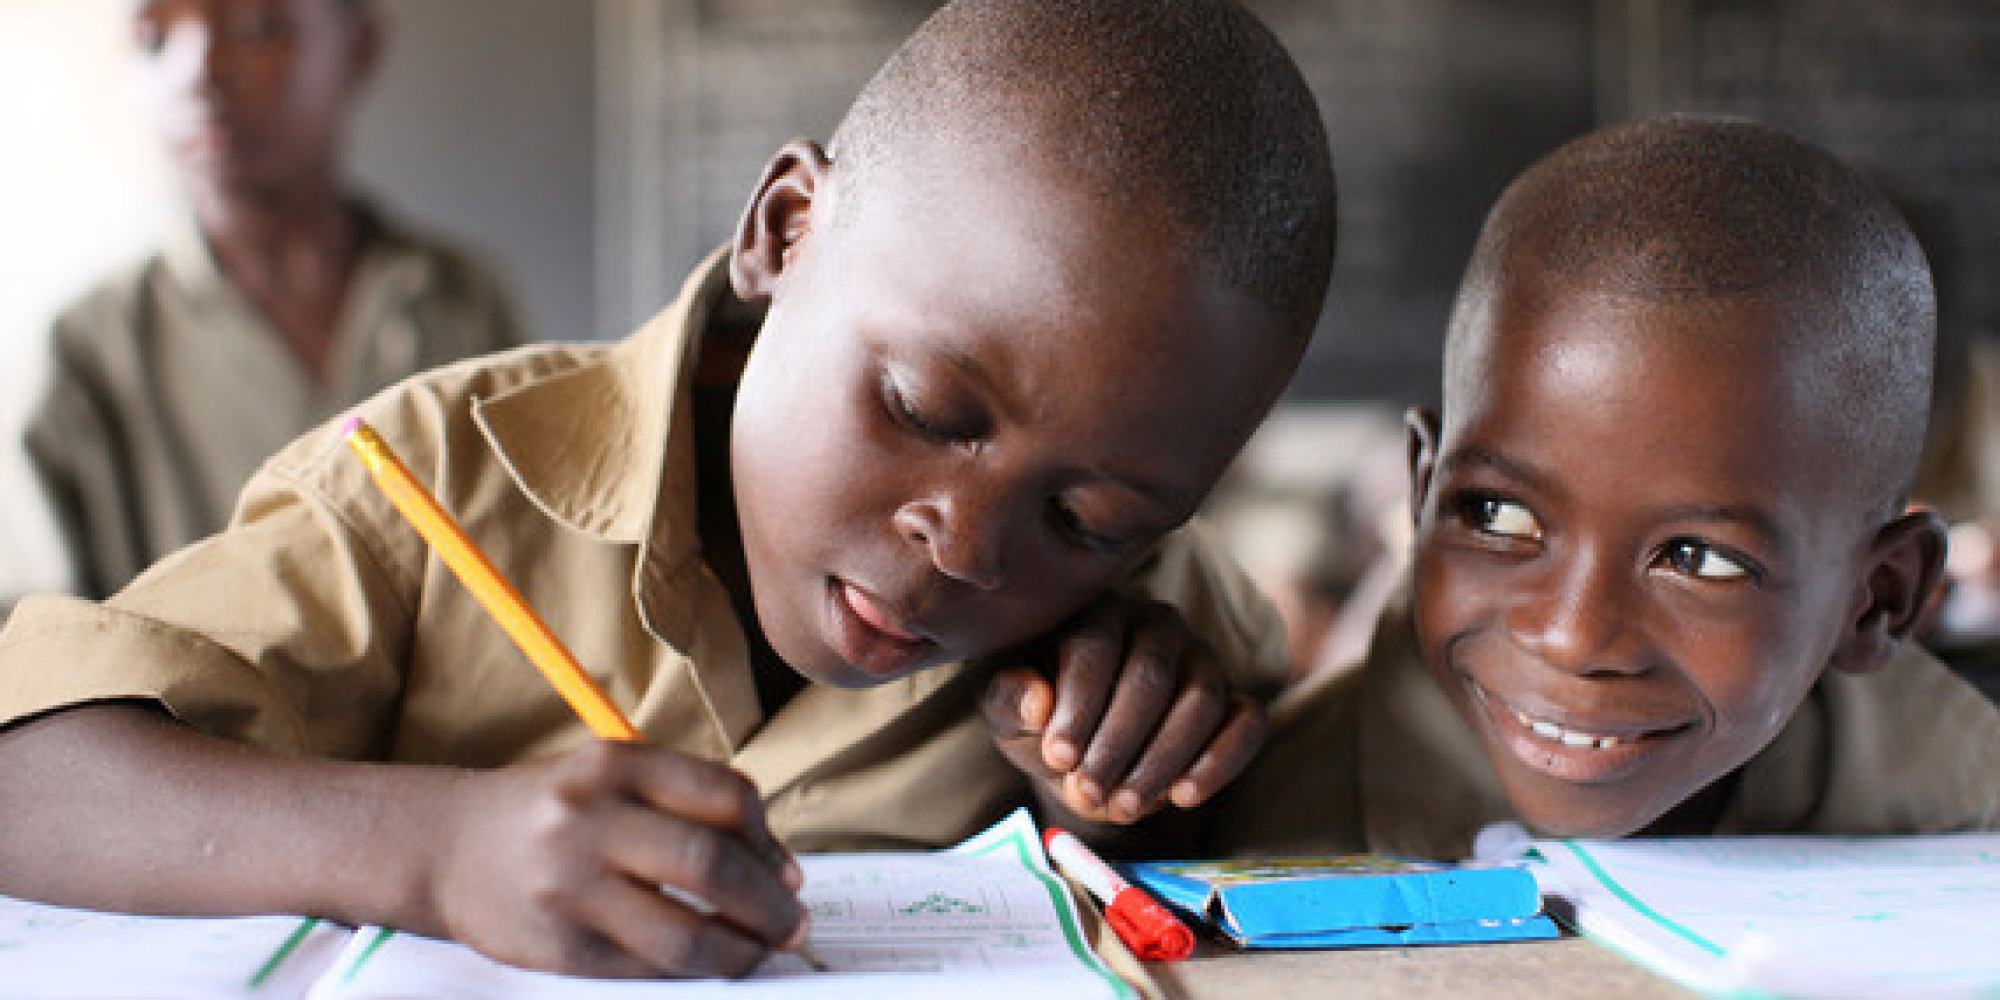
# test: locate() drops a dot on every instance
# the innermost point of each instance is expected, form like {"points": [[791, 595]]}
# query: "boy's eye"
{"points": [[1701, 560], [1499, 516], [1072, 524], [914, 416]]}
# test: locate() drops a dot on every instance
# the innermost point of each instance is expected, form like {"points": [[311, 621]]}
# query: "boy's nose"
{"points": [[961, 539], [1577, 619]]}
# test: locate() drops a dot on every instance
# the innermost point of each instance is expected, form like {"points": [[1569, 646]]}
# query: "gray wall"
{"points": [[482, 126]]}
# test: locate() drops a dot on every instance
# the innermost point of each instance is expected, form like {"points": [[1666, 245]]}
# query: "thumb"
{"points": [[1018, 704]]}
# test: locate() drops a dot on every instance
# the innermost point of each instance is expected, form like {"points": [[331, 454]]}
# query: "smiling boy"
{"points": [[981, 362], [1663, 566]]}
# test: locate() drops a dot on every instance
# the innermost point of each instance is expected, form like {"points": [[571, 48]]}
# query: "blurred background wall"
{"points": [[1431, 105], [598, 149]]}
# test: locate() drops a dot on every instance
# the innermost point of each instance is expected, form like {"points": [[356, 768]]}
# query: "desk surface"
{"points": [[1567, 969]]}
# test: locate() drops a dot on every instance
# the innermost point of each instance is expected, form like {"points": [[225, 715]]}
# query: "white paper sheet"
{"points": [[1794, 916], [987, 919], [55, 953]]}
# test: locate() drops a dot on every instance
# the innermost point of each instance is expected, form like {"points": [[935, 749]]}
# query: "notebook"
{"points": [[1792, 916], [985, 919]]}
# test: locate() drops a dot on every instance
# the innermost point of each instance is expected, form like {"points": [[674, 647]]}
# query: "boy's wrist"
{"points": [[386, 848]]}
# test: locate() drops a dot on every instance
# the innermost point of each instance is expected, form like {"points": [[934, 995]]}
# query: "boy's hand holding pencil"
{"points": [[1138, 714], [559, 865], [615, 859]]}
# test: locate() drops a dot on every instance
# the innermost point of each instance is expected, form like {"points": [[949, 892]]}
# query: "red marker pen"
{"points": [[1148, 928]]}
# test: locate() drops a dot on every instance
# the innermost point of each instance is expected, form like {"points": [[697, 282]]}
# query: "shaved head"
{"points": [[1706, 212], [1187, 113]]}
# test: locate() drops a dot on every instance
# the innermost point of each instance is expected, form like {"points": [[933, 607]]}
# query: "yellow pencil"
{"points": [[502, 601], [498, 596]]}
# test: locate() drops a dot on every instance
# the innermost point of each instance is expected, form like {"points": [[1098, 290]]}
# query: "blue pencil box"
{"points": [[1348, 901]]}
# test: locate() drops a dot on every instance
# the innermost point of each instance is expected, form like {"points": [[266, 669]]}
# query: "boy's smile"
{"points": [[973, 406], [1633, 551]]}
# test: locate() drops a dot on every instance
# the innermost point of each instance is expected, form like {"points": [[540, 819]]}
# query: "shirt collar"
{"points": [[593, 445]]}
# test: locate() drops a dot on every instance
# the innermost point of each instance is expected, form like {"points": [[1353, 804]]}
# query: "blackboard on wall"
{"points": [[1431, 105], [1908, 92]]}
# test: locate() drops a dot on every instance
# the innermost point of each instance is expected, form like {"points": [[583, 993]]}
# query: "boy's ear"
{"points": [[1423, 428], [774, 224], [1906, 561]]}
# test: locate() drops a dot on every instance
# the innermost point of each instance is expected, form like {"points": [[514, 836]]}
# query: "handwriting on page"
{"points": [[986, 919], [917, 916]]}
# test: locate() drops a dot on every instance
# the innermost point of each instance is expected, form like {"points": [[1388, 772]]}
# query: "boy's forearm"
{"points": [[115, 806]]}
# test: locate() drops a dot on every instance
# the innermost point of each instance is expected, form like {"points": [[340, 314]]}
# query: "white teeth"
{"points": [[1551, 731]]}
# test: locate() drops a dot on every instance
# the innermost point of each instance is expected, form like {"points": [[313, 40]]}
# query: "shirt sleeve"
{"points": [[285, 630]]}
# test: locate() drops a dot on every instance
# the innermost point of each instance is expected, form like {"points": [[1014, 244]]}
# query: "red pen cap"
{"points": [[1153, 932]]}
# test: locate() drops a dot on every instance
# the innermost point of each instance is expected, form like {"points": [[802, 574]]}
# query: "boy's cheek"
{"points": [[1443, 600]]}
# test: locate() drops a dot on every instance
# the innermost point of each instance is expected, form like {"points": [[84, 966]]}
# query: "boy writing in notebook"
{"points": [[1663, 569], [947, 402]]}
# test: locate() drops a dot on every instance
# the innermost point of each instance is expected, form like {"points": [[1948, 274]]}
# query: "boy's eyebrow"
{"points": [[1757, 519], [1472, 455]]}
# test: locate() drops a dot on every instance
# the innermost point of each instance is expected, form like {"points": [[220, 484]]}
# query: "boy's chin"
{"points": [[820, 664], [1590, 814], [849, 676]]}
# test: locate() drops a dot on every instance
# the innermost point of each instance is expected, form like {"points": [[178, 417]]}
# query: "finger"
{"points": [[646, 933], [1016, 705], [712, 866], [1087, 808], [1147, 683], [1196, 715], [1087, 664], [713, 795], [1232, 749]]}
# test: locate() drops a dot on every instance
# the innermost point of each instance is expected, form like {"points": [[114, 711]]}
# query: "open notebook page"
{"points": [[985, 919], [1794, 915], [55, 953]]}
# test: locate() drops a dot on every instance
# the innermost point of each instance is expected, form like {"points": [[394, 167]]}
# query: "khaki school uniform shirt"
{"points": [[319, 623], [1376, 758], [167, 387]]}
